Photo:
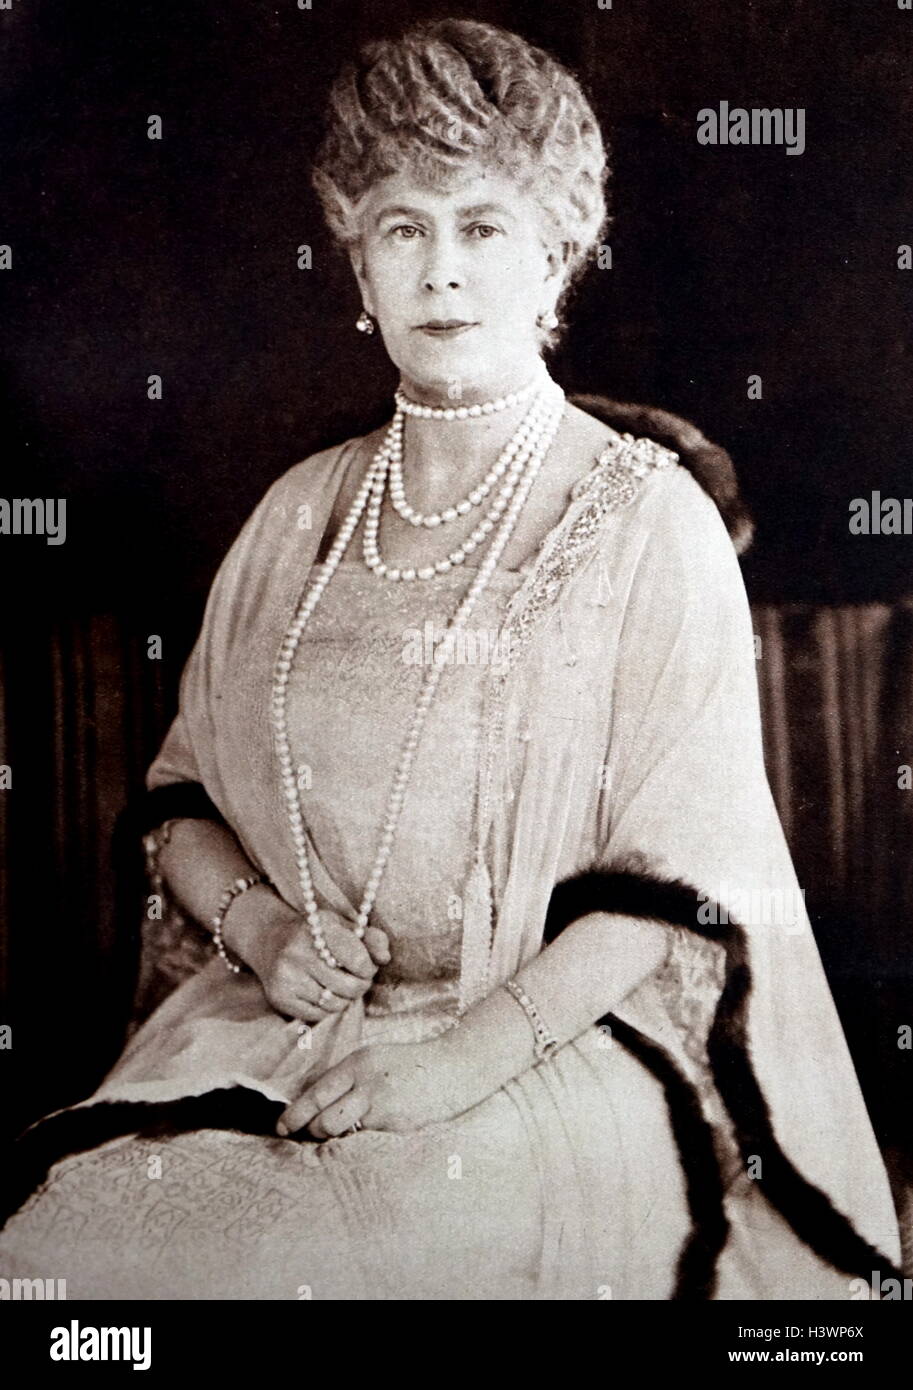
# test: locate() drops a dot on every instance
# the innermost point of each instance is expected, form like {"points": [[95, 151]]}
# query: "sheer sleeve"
{"points": [[687, 798], [686, 783]]}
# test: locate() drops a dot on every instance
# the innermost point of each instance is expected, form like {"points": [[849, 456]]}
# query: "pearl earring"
{"points": [[364, 323], [548, 319]]}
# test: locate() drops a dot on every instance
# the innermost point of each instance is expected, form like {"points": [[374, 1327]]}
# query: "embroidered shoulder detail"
{"points": [[612, 482], [621, 463]]}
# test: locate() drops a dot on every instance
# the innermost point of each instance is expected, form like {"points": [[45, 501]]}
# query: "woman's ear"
{"points": [[557, 257], [556, 260], [357, 258]]}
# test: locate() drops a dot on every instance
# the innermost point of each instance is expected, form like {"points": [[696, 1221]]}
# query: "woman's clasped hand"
{"points": [[296, 981], [393, 1086]]}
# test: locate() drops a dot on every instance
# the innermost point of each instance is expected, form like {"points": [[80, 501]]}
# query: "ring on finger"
{"points": [[326, 998], [346, 1116]]}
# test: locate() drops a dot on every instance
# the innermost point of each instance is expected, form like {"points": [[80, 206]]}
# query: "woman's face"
{"points": [[456, 278]]}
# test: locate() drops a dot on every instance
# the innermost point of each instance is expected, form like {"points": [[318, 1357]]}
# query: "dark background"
{"points": [[178, 257]]}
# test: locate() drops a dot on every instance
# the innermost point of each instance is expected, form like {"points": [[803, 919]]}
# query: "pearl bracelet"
{"points": [[153, 843], [234, 890], [546, 1043]]}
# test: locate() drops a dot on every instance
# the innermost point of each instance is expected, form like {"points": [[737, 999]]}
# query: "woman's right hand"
{"points": [[279, 948]]}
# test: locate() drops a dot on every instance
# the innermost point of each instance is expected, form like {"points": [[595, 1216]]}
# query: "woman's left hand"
{"points": [[395, 1086]]}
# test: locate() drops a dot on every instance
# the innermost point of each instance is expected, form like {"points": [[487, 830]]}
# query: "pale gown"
{"points": [[567, 1182]]}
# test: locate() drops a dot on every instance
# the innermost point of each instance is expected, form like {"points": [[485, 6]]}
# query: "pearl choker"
{"points": [[513, 460], [464, 412]]}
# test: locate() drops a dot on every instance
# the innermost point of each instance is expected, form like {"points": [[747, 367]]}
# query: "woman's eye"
{"points": [[484, 230], [406, 231]]}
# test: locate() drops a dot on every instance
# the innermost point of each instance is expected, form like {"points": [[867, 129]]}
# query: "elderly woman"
{"points": [[467, 782]]}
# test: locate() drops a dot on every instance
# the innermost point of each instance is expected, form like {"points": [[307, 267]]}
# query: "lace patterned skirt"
{"points": [[565, 1184]]}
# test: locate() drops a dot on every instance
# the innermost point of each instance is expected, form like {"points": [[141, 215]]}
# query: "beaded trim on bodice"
{"points": [[611, 483]]}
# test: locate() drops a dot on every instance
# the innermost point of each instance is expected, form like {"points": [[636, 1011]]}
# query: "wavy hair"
{"points": [[451, 94]]}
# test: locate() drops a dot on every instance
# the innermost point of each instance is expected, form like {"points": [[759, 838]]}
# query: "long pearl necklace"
{"points": [[285, 659], [513, 458]]}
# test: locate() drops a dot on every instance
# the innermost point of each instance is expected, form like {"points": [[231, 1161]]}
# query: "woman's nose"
{"points": [[442, 270]]}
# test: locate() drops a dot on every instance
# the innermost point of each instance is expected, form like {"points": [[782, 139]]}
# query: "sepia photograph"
{"points": [[456, 662]]}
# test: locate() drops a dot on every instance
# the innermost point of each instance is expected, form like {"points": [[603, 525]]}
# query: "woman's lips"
{"points": [[450, 328]]}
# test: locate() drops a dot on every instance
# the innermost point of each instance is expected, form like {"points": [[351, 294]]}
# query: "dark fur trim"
{"points": [[696, 1272], [29, 1160], [807, 1209], [177, 800], [711, 466]]}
